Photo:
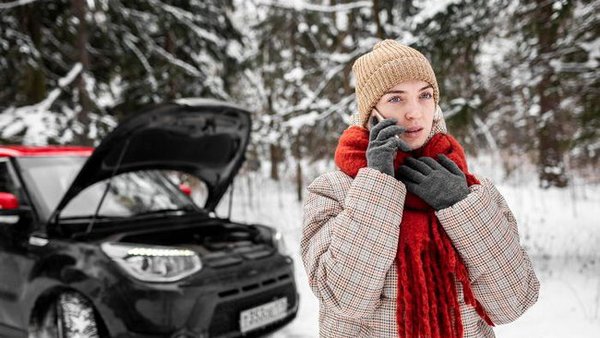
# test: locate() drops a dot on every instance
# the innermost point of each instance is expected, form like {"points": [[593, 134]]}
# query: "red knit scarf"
{"points": [[427, 302]]}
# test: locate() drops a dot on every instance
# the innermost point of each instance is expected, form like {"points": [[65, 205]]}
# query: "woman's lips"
{"points": [[413, 132]]}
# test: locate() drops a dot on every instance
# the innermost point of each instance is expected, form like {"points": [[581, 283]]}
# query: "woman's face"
{"points": [[412, 104]]}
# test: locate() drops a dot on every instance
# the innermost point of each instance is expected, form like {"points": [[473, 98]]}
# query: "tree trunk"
{"points": [[376, 8], [79, 9], [348, 89], [34, 84], [299, 180], [297, 154], [274, 150], [406, 9], [170, 47], [551, 166], [389, 8]]}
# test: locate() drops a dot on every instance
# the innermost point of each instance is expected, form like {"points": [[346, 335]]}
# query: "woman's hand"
{"points": [[383, 145], [438, 184]]}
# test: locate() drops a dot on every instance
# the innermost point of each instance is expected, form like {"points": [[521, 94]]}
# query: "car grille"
{"points": [[250, 287], [226, 315], [222, 259]]}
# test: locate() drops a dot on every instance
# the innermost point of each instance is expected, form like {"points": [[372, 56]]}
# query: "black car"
{"points": [[104, 242]]}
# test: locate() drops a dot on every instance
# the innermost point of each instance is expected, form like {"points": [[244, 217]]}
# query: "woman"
{"points": [[403, 241]]}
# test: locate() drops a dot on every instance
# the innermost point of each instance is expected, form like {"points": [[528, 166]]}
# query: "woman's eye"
{"points": [[395, 99], [426, 95]]}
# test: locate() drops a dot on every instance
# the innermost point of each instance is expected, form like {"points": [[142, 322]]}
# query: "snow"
{"points": [[70, 77], [341, 22], [302, 27], [429, 8], [202, 101], [235, 51], [558, 228], [568, 304], [302, 120], [294, 75], [190, 69]]}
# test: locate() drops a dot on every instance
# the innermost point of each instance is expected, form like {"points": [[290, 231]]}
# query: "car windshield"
{"points": [[128, 194]]}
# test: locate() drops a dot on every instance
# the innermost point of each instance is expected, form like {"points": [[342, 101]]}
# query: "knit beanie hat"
{"points": [[388, 64]]}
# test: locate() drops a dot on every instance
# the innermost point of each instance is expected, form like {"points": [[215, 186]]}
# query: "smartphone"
{"points": [[374, 119]]}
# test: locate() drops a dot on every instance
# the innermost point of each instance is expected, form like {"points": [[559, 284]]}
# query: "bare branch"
{"points": [[14, 4], [128, 41]]}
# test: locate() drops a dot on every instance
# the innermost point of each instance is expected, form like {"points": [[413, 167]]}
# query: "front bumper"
{"points": [[206, 305]]}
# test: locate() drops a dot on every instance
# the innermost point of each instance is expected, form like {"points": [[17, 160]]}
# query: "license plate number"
{"points": [[263, 314]]}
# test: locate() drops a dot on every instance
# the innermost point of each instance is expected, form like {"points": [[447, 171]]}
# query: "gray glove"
{"points": [[438, 184], [383, 145]]}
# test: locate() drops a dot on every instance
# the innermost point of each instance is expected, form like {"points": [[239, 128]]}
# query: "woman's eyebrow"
{"points": [[403, 92]]}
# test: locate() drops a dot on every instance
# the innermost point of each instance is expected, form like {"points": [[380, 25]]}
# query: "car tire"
{"points": [[70, 316]]}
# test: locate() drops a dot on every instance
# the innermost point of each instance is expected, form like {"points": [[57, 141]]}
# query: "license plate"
{"points": [[263, 315]]}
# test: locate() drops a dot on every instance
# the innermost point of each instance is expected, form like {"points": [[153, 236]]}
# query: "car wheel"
{"points": [[70, 316]]}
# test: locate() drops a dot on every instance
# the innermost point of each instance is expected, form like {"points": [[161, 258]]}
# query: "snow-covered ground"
{"points": [[559, 228]]}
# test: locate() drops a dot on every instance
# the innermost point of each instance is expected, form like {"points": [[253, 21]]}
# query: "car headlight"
{"points": [[280, 245], [153, 263]]}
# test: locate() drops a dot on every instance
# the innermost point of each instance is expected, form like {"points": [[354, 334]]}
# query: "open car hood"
{"points": [[202, 137]]}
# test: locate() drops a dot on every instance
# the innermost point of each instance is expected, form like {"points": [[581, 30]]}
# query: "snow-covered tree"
{"points": [[517, 77], [118, 56], [543, 71]]}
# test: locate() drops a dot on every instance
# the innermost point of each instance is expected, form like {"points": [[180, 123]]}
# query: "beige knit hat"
{"points": [[388, 64]]}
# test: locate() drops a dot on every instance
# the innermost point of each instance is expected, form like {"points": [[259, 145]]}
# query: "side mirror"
{"points": [[185, 189], [8, 201]]}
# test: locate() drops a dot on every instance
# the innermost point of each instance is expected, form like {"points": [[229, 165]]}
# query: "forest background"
{"points": [[518, 79]]}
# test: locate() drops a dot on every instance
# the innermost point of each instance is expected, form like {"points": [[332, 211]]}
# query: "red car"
{"points": [[103, 242]]}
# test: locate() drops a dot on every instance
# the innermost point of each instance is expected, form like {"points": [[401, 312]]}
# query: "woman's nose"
{"points": [[412, 111]]}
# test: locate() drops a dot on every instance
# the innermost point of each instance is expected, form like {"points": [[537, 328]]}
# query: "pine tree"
{"points": [[452, 39], [83, 64], [545, 83]]}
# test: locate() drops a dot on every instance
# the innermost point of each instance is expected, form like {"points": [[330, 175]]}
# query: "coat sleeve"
{"points": [[484, 231], [349, 240]]}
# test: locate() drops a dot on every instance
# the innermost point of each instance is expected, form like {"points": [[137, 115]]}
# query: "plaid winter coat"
{"points": [[349, 242]]}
